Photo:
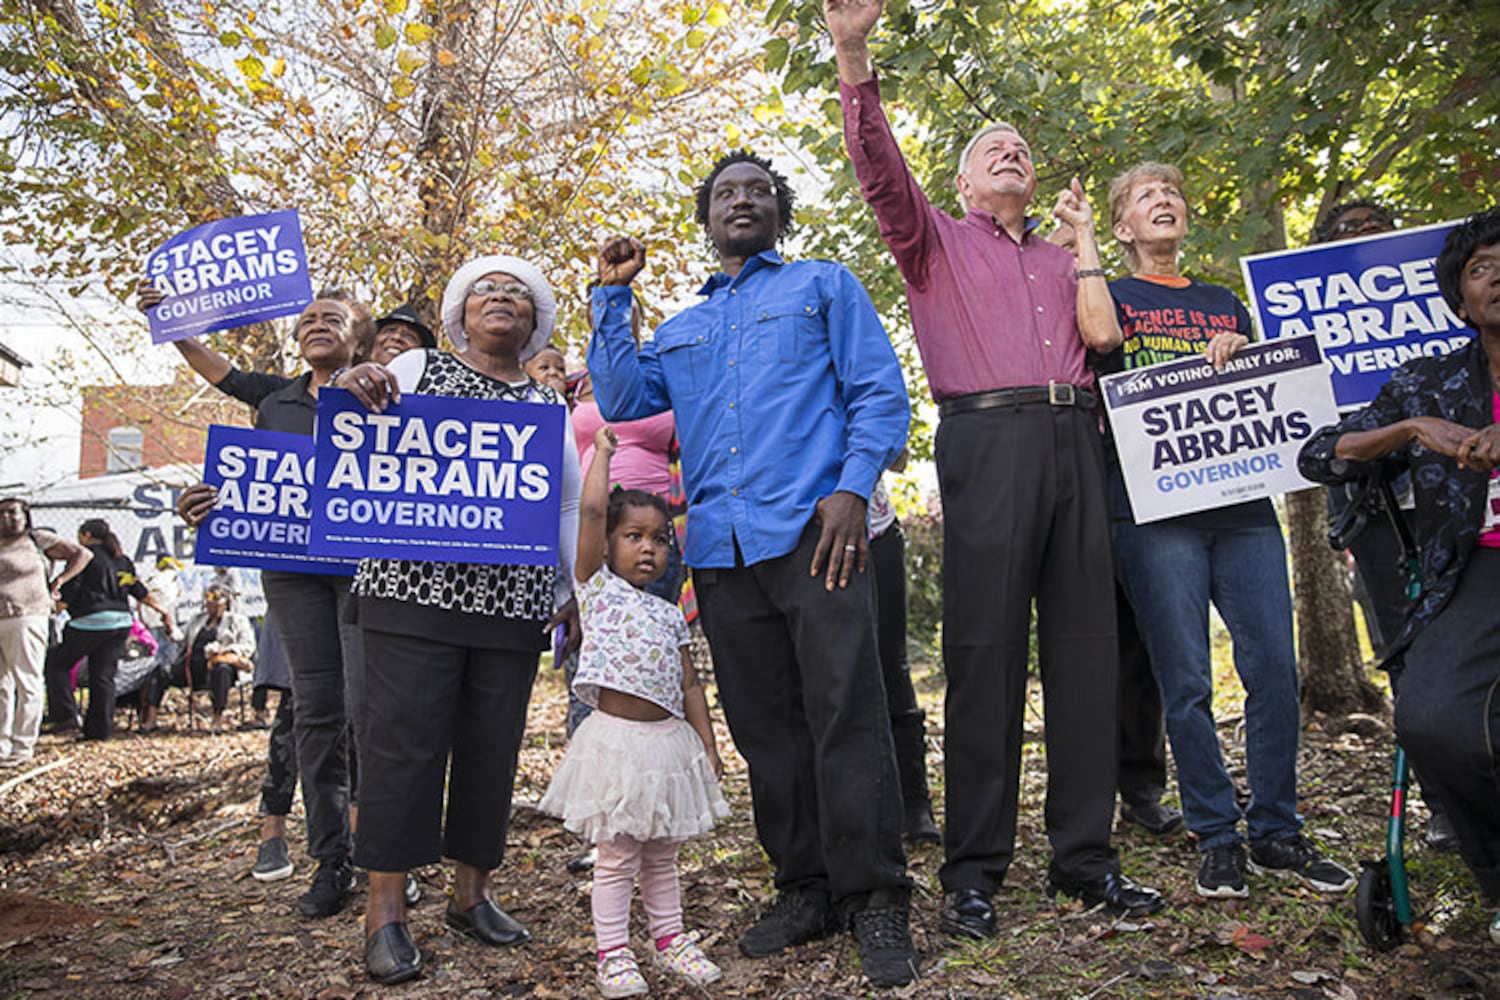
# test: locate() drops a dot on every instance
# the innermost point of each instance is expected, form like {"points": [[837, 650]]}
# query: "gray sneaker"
{"points": [[273, 862], [1298, 857]]}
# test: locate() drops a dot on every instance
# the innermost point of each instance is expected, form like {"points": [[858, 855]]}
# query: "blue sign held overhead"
{"points": [[1373, 303], [265, 503], [228, 274], [439, 479]]}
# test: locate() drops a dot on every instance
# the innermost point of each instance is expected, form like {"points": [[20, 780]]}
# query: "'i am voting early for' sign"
{"points": [[1193, 438], [438, 478]]}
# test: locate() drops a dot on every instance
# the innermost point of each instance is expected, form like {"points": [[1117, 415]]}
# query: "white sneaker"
{"points": [[684, 958], [1495, 929], [619, 975]]}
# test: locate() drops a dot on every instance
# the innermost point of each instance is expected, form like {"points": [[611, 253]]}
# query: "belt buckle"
{"points": [[1060, 393]]}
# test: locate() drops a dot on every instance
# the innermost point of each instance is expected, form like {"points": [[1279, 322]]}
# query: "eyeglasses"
{"points": [[484, 288], [1360, 224]]}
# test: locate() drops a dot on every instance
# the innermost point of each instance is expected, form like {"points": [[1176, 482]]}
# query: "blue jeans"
{"points": [[1170, 571]]}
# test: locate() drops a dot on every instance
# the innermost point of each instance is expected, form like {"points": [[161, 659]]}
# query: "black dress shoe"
{"points": [[1440, 835], [1153, 817], [967, 913], [1118, 894], [391, 956], [487, 923]]}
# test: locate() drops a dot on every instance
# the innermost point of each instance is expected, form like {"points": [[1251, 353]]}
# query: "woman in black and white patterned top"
{"points": [[451, 648]]}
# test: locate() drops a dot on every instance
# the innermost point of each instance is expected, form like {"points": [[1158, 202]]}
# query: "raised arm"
{"points": [[628, 384], [593, 507], [204, 360], [1098, 323], [905, 217], [850, 23]]}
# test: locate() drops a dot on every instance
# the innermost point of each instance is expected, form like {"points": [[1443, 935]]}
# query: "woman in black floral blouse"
{"points": [[1439, 417], [451, 648]]}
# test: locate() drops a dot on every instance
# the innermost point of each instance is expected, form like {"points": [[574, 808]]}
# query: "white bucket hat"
{"points": [[543, 302]]}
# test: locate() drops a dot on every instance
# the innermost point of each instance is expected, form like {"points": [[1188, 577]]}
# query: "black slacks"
{"points": [[280, 783], [1025, 517], [432, 711], [1448, 715], [1143, 743], [103, 647], [306, 611], [799, 676]]}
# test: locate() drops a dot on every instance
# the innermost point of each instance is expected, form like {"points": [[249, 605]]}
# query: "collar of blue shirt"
{"points": [[766, 258]]}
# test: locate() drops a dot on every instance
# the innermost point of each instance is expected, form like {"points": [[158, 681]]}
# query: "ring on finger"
{"points": [[851, 547], [364, 382]]}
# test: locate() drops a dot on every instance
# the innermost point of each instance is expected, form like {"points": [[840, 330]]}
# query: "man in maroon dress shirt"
{"points": [[1003, 320]]}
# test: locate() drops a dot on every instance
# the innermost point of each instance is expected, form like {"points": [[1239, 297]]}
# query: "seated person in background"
{"points": [[217, 644], [1439, 419]]}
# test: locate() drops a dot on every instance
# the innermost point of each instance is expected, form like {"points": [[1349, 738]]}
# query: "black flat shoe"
{"points": [[1153, 817], [1118, 894], [391, 956], [967, 913], [487, 923]]}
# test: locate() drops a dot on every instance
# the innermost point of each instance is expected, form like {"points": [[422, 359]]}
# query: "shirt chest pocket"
{"points": [[685, 361], [790, 331]]}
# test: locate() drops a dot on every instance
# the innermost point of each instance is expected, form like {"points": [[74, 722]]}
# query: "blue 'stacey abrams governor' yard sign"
{"points": [[1191, 438], [265, 503], [228, 274], [438, 478], [1372, 302]]}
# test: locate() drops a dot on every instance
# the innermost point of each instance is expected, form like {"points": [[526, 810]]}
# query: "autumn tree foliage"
{"points": [[410, 134]]}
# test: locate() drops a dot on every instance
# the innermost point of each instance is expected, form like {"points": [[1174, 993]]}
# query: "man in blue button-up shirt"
{"points": [[789, 404]]}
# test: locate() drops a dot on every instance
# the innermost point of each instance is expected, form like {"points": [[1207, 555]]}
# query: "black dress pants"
{"points": [[908, 722], [103, 647], [1448, 715], [1143, 744], [218, 678], [1025, 517], [306, 611], [432, 710], [799, 677], [280, 783]]}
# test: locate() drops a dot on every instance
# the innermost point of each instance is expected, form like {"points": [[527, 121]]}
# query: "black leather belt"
{"points": [[1053, 393]]}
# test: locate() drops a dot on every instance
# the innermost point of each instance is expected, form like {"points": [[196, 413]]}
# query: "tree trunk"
{"points": [[1333, 675]]}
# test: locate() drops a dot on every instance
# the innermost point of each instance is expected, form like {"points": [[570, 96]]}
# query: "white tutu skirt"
{"points": [[647, 780]]}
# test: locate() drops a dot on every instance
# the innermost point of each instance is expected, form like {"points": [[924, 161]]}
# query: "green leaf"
{"points": [[776, 53], [385, 36]]}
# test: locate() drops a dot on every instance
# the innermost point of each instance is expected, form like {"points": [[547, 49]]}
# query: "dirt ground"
{"points": [[124, 873]]}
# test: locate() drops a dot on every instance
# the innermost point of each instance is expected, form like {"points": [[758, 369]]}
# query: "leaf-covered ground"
{"points": [[126, 874]]}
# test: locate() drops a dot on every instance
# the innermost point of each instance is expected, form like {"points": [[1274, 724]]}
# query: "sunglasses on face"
{"points": [[484, 287]]}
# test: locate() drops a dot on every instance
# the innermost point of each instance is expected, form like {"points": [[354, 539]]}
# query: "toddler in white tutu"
{"points": [[641, 773]]}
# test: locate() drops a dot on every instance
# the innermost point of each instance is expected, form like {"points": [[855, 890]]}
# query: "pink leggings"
{"points": [[620, 861]]}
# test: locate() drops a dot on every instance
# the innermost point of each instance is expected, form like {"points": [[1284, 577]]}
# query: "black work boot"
{"points": [[797, 917]]}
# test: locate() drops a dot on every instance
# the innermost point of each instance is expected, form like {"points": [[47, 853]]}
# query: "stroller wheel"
{"points": [[1375, 907]]}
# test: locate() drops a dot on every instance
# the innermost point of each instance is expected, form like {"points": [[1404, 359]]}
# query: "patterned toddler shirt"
{"points": [[630, 643]]}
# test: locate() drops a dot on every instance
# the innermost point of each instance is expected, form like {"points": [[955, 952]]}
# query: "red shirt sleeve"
{"points": [[905, 216]]}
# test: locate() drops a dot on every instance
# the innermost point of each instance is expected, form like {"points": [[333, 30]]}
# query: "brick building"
{"points": [[129, 427]]}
